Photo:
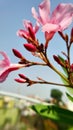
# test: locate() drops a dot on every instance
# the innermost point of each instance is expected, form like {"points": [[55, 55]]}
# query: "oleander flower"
{"points": [[29, 31], [60, 19], [6, 66]]}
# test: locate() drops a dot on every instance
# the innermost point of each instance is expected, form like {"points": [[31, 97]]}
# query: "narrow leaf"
{"points": [[69, 97]]}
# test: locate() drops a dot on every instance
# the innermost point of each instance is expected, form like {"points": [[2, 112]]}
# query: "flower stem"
{"points": [[59, 73], [56, 70]]}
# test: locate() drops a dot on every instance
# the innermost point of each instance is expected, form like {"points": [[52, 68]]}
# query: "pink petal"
{"points": [[6, 61], [49, 27], [36, 28], [65, 22], [35, 14], [62, 15], [23, 33], [44, 11], [5, 72], [3, 75], [27, 24]]}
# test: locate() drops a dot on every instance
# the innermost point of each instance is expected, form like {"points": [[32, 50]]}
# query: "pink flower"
{"points": [[6, 67], [29, 31], [60, 19]]}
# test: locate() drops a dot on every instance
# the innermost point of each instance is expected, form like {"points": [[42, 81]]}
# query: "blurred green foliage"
{"points": [[16, 114]]}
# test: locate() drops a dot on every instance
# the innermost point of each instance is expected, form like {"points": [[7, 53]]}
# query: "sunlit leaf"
{"points": [[64, 81], [55, 113]]}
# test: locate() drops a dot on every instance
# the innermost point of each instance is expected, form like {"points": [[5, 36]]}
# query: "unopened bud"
{"points": [[22, 76], [71, 67], [20, 80], [57, 59], [62, 35], [30, 47], [17, 53], [32, 34], [71, 39]]}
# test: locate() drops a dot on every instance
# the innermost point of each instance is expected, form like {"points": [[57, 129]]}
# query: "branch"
{"points": [[36, 101]]}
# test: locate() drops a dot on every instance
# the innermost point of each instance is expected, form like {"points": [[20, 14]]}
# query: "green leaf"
{"points": [[64, 81], [66, 73], [69, 97], [64, 69], [54, 112], [70, 90]]}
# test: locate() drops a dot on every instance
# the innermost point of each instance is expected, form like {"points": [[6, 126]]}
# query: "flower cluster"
{"points": [[58, 21]]}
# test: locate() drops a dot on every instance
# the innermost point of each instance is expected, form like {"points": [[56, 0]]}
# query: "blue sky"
{"points": [[12, 14]]}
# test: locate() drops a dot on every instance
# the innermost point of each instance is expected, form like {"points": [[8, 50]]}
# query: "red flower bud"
{"points": [[71, 67], [30, 47], [31, 32], [22, 76], [17, 53], [71, 39], [57, 59], [20, 80]]}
